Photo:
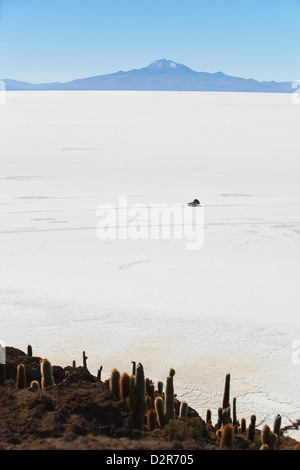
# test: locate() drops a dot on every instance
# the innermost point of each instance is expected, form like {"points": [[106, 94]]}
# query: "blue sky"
{"points": [[60, 40]]}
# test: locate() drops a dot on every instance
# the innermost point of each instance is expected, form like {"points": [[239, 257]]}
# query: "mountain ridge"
{"points": [[160, 75]]}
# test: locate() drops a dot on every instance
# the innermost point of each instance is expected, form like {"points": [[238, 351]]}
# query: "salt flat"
{"points": [[231, 307]]}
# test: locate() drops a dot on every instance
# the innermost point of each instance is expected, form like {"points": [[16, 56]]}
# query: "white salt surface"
{"points": [[231, 307]]}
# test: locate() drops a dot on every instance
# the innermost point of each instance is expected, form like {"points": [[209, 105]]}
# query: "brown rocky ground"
{"points": [[84, 414]]}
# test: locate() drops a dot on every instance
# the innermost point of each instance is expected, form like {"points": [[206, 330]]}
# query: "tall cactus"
{"points": [[114, 383], [220, 418], [84, 359], [226, 416], [169, 400], [152, 393], [160, 388], [243, 426], [139, 398], [130, 400], [147, 385], [265, 435], [124, 386], [208, 416], [227, 437], [226, 397], [99, 373], [149, 403], [46, 373], [183, 409], [273, 442], [234, 418], [159, 408], [251, 429], [21, 377], [151, 420], [276, 430]]}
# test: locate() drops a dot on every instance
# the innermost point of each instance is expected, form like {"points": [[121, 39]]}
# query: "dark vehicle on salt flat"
{"points": [[195, 203]]}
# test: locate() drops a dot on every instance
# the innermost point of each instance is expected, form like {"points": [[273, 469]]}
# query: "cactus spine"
{"points": [[46, 373], [21, 377]]}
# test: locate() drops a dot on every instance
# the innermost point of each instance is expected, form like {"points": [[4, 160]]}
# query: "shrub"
{"points": [[183, 429]]}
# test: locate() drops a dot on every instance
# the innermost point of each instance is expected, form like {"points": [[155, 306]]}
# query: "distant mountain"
{"points": [[161, 75]]}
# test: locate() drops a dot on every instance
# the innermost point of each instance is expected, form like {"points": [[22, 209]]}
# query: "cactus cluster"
{"points": [[269, 440], [47, 379], [155, 408], [150, 408], [21, 381]]}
